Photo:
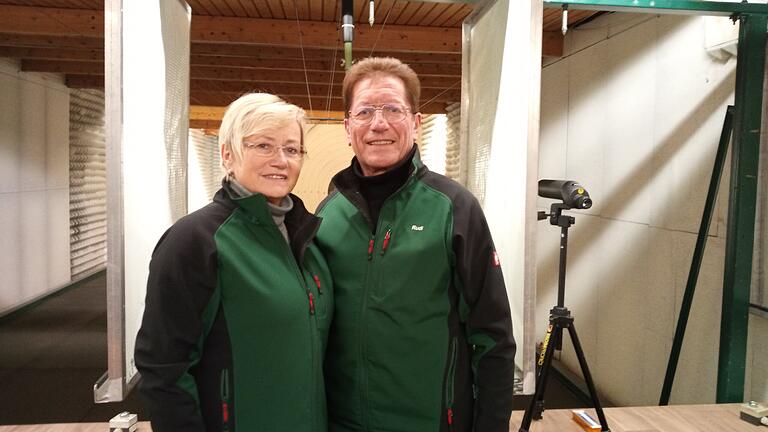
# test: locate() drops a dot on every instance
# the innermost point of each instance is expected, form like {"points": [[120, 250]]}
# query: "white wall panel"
{"points": [[33, 186], [57, 139], [9, 132], [32, 150], [645, 106]]}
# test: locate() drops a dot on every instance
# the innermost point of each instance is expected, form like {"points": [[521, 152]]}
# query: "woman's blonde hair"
{"points": [[252, 114]]}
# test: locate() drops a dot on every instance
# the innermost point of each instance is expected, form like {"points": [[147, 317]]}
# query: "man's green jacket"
{"points": [[422, 338]]}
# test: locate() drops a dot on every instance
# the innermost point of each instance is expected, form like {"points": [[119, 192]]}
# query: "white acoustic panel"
{"points": [[453, 141], [433, 141], [88, 183], [147, 115], [500, 127], [205, 170], [328, 152]]}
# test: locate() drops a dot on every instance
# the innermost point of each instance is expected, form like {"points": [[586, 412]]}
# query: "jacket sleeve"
{"points": [[181, 283], [488, 321]]}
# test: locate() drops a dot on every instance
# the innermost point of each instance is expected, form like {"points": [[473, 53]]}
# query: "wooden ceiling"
{"points": [[278, 46]]}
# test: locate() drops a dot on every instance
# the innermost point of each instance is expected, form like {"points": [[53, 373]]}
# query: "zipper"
{"points": [[387, 238], [224, 400], [370, 247], [317, 282], [449, 382]]}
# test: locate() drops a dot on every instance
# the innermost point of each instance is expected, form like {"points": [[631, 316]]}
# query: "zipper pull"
{"points": [[370, 249], [450, 417], [317, 282], [385, 245], [225, 413], [311, 303]]}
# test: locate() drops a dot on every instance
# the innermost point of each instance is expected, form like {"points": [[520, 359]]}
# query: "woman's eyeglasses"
{"points": [[392, 113], [269, 150]]}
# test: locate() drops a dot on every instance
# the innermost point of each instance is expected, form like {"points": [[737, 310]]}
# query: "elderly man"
{"points": [[422, 338]]}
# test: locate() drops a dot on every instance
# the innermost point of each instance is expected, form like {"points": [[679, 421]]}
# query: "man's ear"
{"points": [[346, 128], [417, 122]]}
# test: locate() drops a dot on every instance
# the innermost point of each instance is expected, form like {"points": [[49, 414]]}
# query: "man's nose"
{"points": [[378, 121]]}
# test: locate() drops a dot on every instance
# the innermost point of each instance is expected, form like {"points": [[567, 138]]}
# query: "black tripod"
{"points": [[559, 318]]}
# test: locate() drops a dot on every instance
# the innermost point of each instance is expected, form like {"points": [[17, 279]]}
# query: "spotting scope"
{"points": [[573, 195]]}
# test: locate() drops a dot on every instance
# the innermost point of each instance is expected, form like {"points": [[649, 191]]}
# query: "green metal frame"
{"points": [[698, 255], [686, 7], [750, 70]]}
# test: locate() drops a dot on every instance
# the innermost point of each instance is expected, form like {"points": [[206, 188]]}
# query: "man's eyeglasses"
{"points": [[392, 113], [269, 150]]}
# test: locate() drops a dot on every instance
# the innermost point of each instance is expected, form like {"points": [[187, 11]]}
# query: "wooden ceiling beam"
{"points": [[52, 53], [90, 23], [300, 90], [75, 28], [42, 41], [227, 74], [90, 55]]}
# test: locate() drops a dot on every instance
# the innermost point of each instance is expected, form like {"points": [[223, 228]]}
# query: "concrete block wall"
{"points": [[34, 185], [634, 111]]}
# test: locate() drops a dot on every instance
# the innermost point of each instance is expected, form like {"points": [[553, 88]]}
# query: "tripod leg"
{"points": [[588, 378], [536, 408]]}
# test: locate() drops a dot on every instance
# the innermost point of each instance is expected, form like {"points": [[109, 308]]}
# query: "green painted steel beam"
{"points": [[687, 7], [750, 72]]}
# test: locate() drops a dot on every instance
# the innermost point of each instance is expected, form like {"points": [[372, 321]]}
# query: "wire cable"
{"points": [[303, 60], [381, 30], [441, 93]]}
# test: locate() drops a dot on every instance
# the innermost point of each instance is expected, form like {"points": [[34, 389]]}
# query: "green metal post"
{"points": [[750, 69], [698, 254]]}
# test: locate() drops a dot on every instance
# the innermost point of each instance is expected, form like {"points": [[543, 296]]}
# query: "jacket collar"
{"points": [[300, 223]]}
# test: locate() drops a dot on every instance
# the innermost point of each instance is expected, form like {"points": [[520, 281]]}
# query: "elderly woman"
{"points": [[239, 298]]}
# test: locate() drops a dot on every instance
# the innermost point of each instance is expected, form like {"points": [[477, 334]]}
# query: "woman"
{"points": [[239, 298]]}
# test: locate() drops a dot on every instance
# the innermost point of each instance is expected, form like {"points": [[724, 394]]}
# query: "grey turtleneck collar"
{"points": [[278, 211]]}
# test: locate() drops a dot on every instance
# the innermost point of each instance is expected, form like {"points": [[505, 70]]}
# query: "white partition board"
{"points": [[500, 121], [147, 111]]}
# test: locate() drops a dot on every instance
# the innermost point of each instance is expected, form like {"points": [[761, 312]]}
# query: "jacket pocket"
{"points": [[449, 382], [225, 396]]}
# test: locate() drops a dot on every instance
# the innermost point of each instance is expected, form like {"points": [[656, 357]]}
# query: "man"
{"points": [[422, 338]]}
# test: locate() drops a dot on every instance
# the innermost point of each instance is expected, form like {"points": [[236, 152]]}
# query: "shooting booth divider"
{"points": [[147, 111], [501, 76]]}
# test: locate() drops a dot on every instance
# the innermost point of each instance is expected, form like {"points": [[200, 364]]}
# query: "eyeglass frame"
{"points": [[275, 148], [379, 108]]}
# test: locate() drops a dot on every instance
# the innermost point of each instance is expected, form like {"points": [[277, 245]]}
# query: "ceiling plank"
{"points": [[223, 49], [52, 53], [552, 43], [33, 40], [66, 22]]}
